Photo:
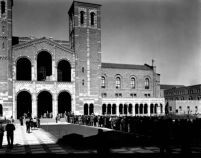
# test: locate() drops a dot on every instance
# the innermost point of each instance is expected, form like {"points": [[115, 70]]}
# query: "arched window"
{"points": [[118, 82], [145, 109], [23, 69], [146, 83], [82, 17], [109, 109], [136, 109], [91, 109], [86, 112], [120, 109], [64, 71], [3, 5], [132, 82], [114, 109], [104, 109], [102, 82], [92, 15], [44, 66]]}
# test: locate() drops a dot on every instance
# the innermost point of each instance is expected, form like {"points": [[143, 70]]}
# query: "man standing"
{"points": [[10, 134], [1, 134]]}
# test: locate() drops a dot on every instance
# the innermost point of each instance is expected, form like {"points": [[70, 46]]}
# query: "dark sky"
{"points": [[133, 32]]}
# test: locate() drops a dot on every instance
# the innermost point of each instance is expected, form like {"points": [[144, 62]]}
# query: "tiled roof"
{"points": [[126, 66]]}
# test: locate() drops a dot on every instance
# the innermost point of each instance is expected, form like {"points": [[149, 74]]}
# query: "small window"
{"points": [[145, 95], [82, 69], [146, 83], [92, 15], [102, 82], [118, 82], [3, 5], [116, 95], [132, 82], [120, 95], [82, 17], [83, 82], [170, 108], [104, 95]]}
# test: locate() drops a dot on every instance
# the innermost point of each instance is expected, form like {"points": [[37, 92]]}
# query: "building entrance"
{"points": [[24, 104], [45, 104], [64, 103]]}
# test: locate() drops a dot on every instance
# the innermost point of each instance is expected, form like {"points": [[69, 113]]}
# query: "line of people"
{"points": [[162, 131]]}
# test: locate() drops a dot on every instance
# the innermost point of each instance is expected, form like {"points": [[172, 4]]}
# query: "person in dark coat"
{"points": [[21, 120], [28, 126], [1, 134], [10, 127]]}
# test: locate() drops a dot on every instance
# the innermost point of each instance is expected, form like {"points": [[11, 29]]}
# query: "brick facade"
{"points": [[83, 54]]}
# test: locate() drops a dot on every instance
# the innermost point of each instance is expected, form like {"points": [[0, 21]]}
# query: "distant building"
{"points": [[184, 99], [44, 76]]}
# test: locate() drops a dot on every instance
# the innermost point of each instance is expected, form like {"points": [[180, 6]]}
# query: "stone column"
{"points": [[133, 110], [34, 105], [34, 71], [54, 67], [148, 109], [33, 78], [14, 107], [54, 105], [117, 109]]}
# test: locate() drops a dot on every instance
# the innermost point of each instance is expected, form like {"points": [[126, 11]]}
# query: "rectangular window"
{"points": [[116, 95], [145, 95], [104, 95]]}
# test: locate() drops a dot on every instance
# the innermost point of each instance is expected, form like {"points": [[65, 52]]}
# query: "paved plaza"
{"points": [[40, 141]]}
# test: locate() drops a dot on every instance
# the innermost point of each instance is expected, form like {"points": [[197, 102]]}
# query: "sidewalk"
{"points": [[36, 142]]}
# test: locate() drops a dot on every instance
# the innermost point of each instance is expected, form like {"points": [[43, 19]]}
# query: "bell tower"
{"points": [[6, 88], [85, 39]]}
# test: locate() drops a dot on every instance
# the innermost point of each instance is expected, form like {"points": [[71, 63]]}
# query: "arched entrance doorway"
{"points": [[24, 104], [86, 109], [44, 66], [23, 69], [103, 109], [64, 71], [114, 109], [64, 102], [109, 109], [1, 110], [91, 109], [45, 104]]}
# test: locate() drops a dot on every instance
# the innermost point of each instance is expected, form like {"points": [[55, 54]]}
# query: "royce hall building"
{"points": [[44, 76]]}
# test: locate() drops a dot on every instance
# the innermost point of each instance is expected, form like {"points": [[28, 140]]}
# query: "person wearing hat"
{"points": [[1, 134]]}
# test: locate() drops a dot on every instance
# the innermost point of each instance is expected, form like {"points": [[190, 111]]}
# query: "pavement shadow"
{"points": [[103, 140]]}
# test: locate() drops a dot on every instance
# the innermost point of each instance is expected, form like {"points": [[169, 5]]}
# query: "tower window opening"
{"points": [[3, 10], [82, 17], [83, 82], [92, 15]]}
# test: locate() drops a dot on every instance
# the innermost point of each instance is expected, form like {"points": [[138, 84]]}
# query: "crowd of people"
{"points": [[162, 131]]}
